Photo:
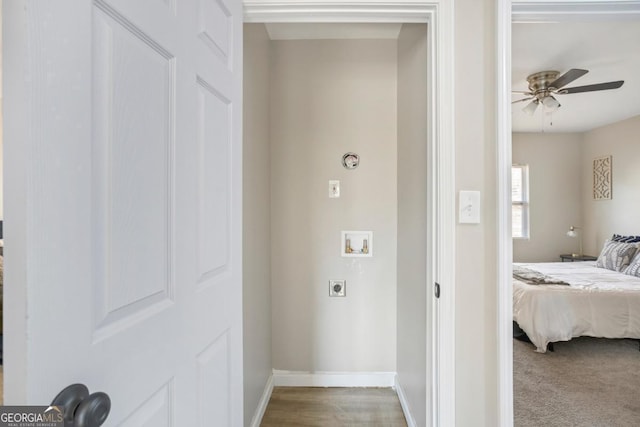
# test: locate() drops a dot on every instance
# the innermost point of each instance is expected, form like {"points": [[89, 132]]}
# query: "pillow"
{"points": [[626, 239], [633, 269], [616, 256]]}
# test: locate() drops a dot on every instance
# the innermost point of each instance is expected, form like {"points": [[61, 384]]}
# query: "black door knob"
{"points": [[82, 409]]}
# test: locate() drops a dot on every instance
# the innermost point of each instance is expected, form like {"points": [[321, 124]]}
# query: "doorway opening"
{"points": [[314, 93], [528, 16]]}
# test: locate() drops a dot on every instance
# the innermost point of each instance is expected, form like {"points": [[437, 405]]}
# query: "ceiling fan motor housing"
{"points": [[539, 82]]}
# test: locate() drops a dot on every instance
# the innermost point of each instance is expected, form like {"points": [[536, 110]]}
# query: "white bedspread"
{"points": [[598, 303]]}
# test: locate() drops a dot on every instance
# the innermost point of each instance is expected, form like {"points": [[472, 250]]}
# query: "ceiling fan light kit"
{"points": [[550, 102], [531, 107], [544, 85]]}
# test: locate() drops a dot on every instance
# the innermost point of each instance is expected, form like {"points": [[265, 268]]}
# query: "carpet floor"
{"points": [[586, 382]]}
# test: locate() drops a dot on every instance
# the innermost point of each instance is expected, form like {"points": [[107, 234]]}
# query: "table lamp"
{"points": [[573, 233]]}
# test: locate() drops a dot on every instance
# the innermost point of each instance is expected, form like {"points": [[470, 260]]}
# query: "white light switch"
{"points": [[334, 189], [469, 212]]}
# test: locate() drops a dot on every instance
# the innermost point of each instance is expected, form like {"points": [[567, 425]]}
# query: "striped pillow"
{"points": [[634, 268], [616, 256], [626, 239]]}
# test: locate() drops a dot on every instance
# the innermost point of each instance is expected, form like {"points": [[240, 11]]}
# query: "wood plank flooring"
{"points": [[333, 407]]}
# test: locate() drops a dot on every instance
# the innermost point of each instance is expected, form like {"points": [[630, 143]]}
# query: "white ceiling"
{"points": [[609, 50]]}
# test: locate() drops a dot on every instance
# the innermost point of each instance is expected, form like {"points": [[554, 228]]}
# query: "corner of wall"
{"points": [[262, 403], [256, 224], [602, 218], [404, 403]]}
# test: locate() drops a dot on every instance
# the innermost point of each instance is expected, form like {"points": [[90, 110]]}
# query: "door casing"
{"points": [[441, 215]]}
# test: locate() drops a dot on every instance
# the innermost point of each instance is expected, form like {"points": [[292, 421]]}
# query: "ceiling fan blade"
{"points": [[521, 100], [568, 77], [531, 107], [526, 92], [591, 88]]}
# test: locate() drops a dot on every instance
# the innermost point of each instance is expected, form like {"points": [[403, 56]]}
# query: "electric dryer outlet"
{"points": [[337, 288]]}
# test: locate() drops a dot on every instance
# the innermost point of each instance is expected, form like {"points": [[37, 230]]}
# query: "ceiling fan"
{"points": [[545, 84]]}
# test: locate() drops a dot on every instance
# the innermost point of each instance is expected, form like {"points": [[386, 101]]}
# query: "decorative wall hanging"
{"points": [[602, 178], [350, 160]]}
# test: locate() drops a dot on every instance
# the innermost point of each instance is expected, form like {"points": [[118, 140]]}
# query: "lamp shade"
{"points": [[531, 107], [550, 102]]}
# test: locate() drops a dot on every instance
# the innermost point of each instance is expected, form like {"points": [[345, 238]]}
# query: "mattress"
{"points": [[596, 302]]}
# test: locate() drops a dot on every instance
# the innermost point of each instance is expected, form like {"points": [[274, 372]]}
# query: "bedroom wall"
{"points": [[329, 97], [256, 218], [555, 190], [602, 218], [412, 218], [561, 177]]}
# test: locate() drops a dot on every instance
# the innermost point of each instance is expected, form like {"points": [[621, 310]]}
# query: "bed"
{"points": [[561, 300]]}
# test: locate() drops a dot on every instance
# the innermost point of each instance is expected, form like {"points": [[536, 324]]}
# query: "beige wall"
{"points": [[476, 244], [619, 215], [561, 177], [329, 97], [412, 217], [256, 220], [555, 193]]}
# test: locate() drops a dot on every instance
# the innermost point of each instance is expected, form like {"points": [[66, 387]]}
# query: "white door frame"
{"points": [[441, 268], [525, 11]]}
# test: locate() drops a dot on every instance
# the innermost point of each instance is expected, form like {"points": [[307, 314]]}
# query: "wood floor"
{"points": [[333, 407]]}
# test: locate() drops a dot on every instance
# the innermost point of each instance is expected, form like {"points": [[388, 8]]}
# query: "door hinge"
{"points": [[436, 290]]}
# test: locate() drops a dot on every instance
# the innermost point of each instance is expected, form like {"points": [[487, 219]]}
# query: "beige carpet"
{"points": [[585, 382]]}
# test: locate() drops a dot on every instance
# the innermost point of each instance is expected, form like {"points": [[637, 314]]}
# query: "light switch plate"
{"points": [[334, 189], [469, 209]]}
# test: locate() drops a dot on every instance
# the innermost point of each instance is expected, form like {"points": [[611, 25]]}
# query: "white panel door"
{"points": [[123, 206]]}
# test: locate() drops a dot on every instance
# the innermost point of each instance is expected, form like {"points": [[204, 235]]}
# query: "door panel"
{"points": [[155, 411], [215, 26], [132, 240], [214, 382], [133, 106], [213, 182]]}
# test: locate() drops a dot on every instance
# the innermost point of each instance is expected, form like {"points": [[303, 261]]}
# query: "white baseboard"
{"points": [[262, 404], [405, 405], [333, 379]]}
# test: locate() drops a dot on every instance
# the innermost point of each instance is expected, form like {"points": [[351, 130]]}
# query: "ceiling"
{"points": [[609, 50]]}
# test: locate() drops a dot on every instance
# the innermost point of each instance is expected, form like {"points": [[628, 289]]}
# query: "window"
{"points": [[520, 201]]}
